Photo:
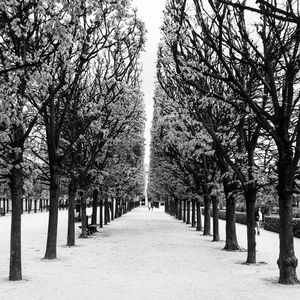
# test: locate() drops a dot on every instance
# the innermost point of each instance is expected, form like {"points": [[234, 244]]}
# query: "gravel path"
{"points": [[142, 255]]}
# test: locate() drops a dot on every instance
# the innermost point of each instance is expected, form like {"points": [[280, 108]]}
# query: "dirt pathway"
{"points": [[143, 255]]}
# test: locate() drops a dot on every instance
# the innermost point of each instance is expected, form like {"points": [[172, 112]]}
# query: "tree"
{"points": [[272, 56], [25, 48], [108, 100], [83, 34]]}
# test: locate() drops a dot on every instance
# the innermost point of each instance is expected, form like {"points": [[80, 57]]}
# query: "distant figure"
{"points": [[258, 219], [149, 206], [152, 205]]}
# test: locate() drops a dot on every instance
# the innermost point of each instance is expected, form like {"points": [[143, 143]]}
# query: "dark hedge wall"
{"points": [[271, 223]]}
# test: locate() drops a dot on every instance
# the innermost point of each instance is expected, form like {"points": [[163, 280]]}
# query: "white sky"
{"points": [[151, 13]]}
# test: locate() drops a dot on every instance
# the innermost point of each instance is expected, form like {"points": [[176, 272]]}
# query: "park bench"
{"points": [[2, 212], [90, 228]]}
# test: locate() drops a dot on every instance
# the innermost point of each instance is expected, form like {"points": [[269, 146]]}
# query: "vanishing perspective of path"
{"points": [[142, 255]]}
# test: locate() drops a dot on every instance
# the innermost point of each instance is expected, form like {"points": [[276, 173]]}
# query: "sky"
{"points": [[151, 12]]}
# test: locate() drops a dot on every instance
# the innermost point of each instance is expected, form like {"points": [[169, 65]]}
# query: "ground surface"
{"points": [[142, 255]]}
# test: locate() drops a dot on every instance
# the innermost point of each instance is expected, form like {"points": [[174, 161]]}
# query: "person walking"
{"points": [[258, 220]]}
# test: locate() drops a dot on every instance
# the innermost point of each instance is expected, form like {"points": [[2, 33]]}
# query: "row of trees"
{"points": [[71, 108], [226, 120]]}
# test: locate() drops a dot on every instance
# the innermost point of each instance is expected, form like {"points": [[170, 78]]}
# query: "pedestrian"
{"points": [[152, 205], [258, 220]]}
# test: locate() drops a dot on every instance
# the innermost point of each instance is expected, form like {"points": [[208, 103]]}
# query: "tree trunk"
{"points": [[101, 212], [231, 239], [207, 202], [215, 203], [29, 205], [188, 212], [112, 209], [287, 261], [173, 208], [180, 210], [199, 223], [124, 206], [16, 187], [120, 210], [193, 213], [71, 214], [175, 205], [83, 215], [250, 196], [53, 212], [108, 210], [95, 205], [105, 211], [117, 208]]}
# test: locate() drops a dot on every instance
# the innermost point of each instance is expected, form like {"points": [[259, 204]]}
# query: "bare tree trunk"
{"points": [[287, 261], [175, 205], [125, 205], [184, 211], [117, 208], [101, 212], [83, 215], [71, 214], [53, 212], [188, 212], [250, 196], [172, 207], [231, 239], [120, 207], [199, 223], [106, 211], [193, 213], [16, 187], [95, 205], [180, 210], [215, 203], [112, 209], [207, 202]]}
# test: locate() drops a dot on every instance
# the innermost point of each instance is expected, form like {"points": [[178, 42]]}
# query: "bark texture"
{"points": [[207, 202], [231, 239], [250, 196], [193, 213], [184, 211], [101, 213], [199, 223], [215, 203], [83, 215], [53, 212], [188, 212], [95, 205], [71, 214], [287, 261], [16, 187]]}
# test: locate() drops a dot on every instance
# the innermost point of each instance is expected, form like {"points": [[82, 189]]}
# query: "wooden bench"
{"points": [[90, 228]]}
